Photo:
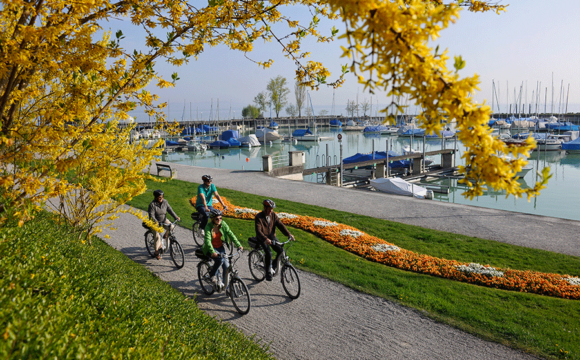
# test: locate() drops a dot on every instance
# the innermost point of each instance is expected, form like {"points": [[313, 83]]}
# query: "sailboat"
{"points": [[306, 134]]}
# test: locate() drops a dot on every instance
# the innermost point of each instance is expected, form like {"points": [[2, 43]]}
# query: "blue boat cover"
{"points": [[525, 135], [444, 133], [273, 123], [234, 143], [375, 129], [415, 132], [301, 132], [379, 155], [571, 145], [335, 122], [229, 134], [220, 144], [171, 143]]}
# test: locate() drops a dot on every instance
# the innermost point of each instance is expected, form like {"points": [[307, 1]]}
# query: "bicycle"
{"points": [[196, 231], [289, 275], [175, 249], [234, 287]]}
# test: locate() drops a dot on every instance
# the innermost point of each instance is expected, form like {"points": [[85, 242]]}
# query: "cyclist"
{"points": [[158, 209], [218, 234], [266, 223], [205, 193]]}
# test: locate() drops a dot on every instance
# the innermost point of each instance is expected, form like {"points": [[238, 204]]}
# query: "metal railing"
{"points": [[280, 160]]}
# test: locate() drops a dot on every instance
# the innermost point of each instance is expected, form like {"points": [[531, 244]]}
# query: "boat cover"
{"points": [[234, 142], [571, 145], [335, 122], [379, 155], [220, 144], [398, 186], [301, 132], [171, 143], [408, 131], [444, 133], [375, 129], [229, 134], [273, 124], [251, 140]]}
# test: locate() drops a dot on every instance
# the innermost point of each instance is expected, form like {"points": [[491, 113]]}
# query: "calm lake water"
{"points": [[560, 199]]}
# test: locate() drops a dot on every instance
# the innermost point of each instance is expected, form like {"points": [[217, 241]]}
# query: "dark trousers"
{"points": [[268, 254], [204, 215], [219, 261]]}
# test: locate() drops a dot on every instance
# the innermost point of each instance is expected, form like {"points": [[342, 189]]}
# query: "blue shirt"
{"points": [[208, 193]]}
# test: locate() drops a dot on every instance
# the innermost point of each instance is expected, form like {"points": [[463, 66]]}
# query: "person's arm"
{"points": [[207, 247], [200, 194], [217, 196], [151, 212], [171, 212], [280, 225], [260, 234], [230, 235]]}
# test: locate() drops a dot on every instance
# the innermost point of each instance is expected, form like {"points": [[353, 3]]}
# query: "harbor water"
{"points": [[560, 199]]}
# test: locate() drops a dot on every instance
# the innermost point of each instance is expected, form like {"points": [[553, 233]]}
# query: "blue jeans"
{"points": [[217, 262], [204, 215]]}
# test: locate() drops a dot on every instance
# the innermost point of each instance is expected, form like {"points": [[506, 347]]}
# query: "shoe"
{"points": [[202, 232], [272, 271], [220, 285], [268, 276], [157, 255]]}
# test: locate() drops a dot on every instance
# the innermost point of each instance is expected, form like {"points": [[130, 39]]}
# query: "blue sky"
{"points": [[533, 41]]}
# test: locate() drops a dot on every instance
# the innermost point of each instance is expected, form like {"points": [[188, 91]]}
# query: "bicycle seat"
{"points": [[195, 215], [253, 242], [199, 253]]}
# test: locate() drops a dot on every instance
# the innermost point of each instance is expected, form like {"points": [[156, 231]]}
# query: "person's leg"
{"points": [[217, 262], [225, 263], [278, 249], [158, 243], [267, 259], [204, 217]]}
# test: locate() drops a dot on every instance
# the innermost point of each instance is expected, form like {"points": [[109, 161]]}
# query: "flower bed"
{"points": [[375, 249]]}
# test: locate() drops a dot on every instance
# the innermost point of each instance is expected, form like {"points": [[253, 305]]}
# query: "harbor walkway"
{"points": [[534, 231], [329, 320]]}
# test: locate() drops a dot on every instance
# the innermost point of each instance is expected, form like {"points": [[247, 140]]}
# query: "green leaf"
{"points": [[459, 63]]}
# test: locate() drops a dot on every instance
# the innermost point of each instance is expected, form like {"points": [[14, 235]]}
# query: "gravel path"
{"points": [[327, 321]]}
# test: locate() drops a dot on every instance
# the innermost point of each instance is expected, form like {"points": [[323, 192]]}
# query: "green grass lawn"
{"points": [[542, 325], [60, 299]]}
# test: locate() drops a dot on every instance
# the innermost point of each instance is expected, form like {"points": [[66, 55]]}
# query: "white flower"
{"points": [[324, 223], [479, 269], [352, 233], [385, 247], [573, 280], [284, 215], [246, 210]]}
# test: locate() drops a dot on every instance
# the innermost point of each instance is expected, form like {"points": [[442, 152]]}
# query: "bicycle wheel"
{"points": [[204, 280], [196, 231], [256, 262], [177, 254], [240, 296], [290, 281], [150, 243]]}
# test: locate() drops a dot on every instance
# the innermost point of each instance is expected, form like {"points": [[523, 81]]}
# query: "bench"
{"points": [[162, 167]]}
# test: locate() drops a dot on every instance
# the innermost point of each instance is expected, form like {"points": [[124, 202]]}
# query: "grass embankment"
{"points": [[62, 299], [539, 324]]}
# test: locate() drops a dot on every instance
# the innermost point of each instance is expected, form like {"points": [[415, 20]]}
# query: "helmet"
{"points": [[269, 203], [214, 213], [207, 177], [157, 193]]}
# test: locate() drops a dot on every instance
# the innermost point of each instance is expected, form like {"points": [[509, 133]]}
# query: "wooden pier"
{"points": [[375, 162]]}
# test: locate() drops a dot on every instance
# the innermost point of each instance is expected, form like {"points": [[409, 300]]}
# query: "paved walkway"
{"points": [[331, 321], [540, 232]]}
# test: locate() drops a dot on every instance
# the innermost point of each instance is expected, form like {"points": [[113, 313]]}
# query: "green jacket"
{"points": [[227, 237]]}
